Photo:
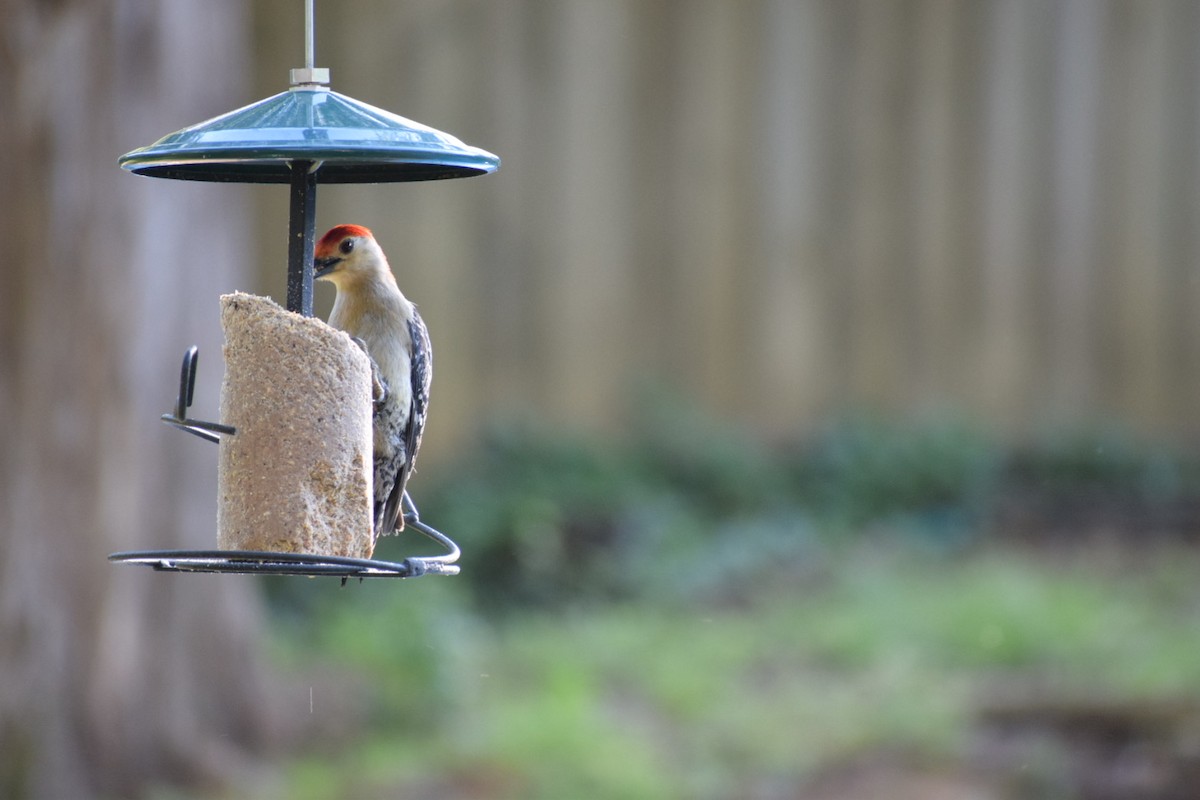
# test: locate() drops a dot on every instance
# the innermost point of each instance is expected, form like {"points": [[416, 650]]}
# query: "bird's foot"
{"points": [[379, 387], [379, 390]]}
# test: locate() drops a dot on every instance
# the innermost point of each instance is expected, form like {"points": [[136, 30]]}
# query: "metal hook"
{"points": [[209, 431], [434, 565]]}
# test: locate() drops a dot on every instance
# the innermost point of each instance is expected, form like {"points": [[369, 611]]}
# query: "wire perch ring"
{"points": [[254, 562], [257, 562]]}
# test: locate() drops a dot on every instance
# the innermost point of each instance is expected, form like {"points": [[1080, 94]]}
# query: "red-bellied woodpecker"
{"points": [[371, 308]]}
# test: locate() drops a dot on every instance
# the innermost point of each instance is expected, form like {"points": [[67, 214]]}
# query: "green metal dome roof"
{"points": [[353, 141]]}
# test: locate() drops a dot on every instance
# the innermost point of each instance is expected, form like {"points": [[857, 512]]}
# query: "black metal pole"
{"points": [[302, 229]]}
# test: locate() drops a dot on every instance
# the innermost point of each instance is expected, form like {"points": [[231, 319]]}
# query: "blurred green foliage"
{"points": [[878, 650], [690, 612], [686, 504], [936, 477]]}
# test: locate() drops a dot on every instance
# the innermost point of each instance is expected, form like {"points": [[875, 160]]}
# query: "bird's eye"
{"points": [[346, 246]]}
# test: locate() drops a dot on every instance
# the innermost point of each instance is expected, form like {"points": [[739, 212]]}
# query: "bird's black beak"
{"points": [[324, 266]]}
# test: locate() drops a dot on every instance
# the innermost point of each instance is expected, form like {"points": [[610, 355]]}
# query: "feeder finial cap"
{"points": [[310, 76]]}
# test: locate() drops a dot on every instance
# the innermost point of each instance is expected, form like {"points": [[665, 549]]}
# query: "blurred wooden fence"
{"points": [[788, 209]]}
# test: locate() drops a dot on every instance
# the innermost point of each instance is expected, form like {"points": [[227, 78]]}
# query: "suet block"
{"points": [[296, 478]]}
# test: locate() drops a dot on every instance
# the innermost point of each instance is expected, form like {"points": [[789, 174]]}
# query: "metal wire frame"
{"points": [[178, 418], [258, 562], [301, 225]]}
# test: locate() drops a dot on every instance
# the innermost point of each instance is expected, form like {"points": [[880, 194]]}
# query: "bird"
{"points": [[370, 307]]}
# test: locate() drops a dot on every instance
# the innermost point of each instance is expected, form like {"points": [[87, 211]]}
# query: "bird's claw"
{"points": [[379, 387], [379, 390]]}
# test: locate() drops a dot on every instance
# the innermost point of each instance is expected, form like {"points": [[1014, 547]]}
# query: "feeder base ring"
{"points": [[256, 562]]}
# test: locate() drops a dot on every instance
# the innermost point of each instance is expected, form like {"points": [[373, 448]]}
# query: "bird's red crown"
{"points": [[336, 234]]}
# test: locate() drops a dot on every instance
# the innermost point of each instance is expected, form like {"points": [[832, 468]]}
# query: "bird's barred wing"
{"points": [[421, 378]]}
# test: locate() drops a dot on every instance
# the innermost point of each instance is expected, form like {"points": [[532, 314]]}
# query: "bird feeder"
{"points": [[302, 137]]}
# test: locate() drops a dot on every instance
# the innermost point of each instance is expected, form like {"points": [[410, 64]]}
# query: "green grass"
{"points": [[691, 614], [874, 650]]}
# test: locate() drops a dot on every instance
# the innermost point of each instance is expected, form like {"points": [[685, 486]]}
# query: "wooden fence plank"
{"points": [[790, 209], [1073, 349]]}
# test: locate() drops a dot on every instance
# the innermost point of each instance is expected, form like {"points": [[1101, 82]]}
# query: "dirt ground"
{"points": [[1042, 747]]}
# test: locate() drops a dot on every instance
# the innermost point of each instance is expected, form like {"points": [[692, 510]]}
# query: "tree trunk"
{"points": [[113, 677]]}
